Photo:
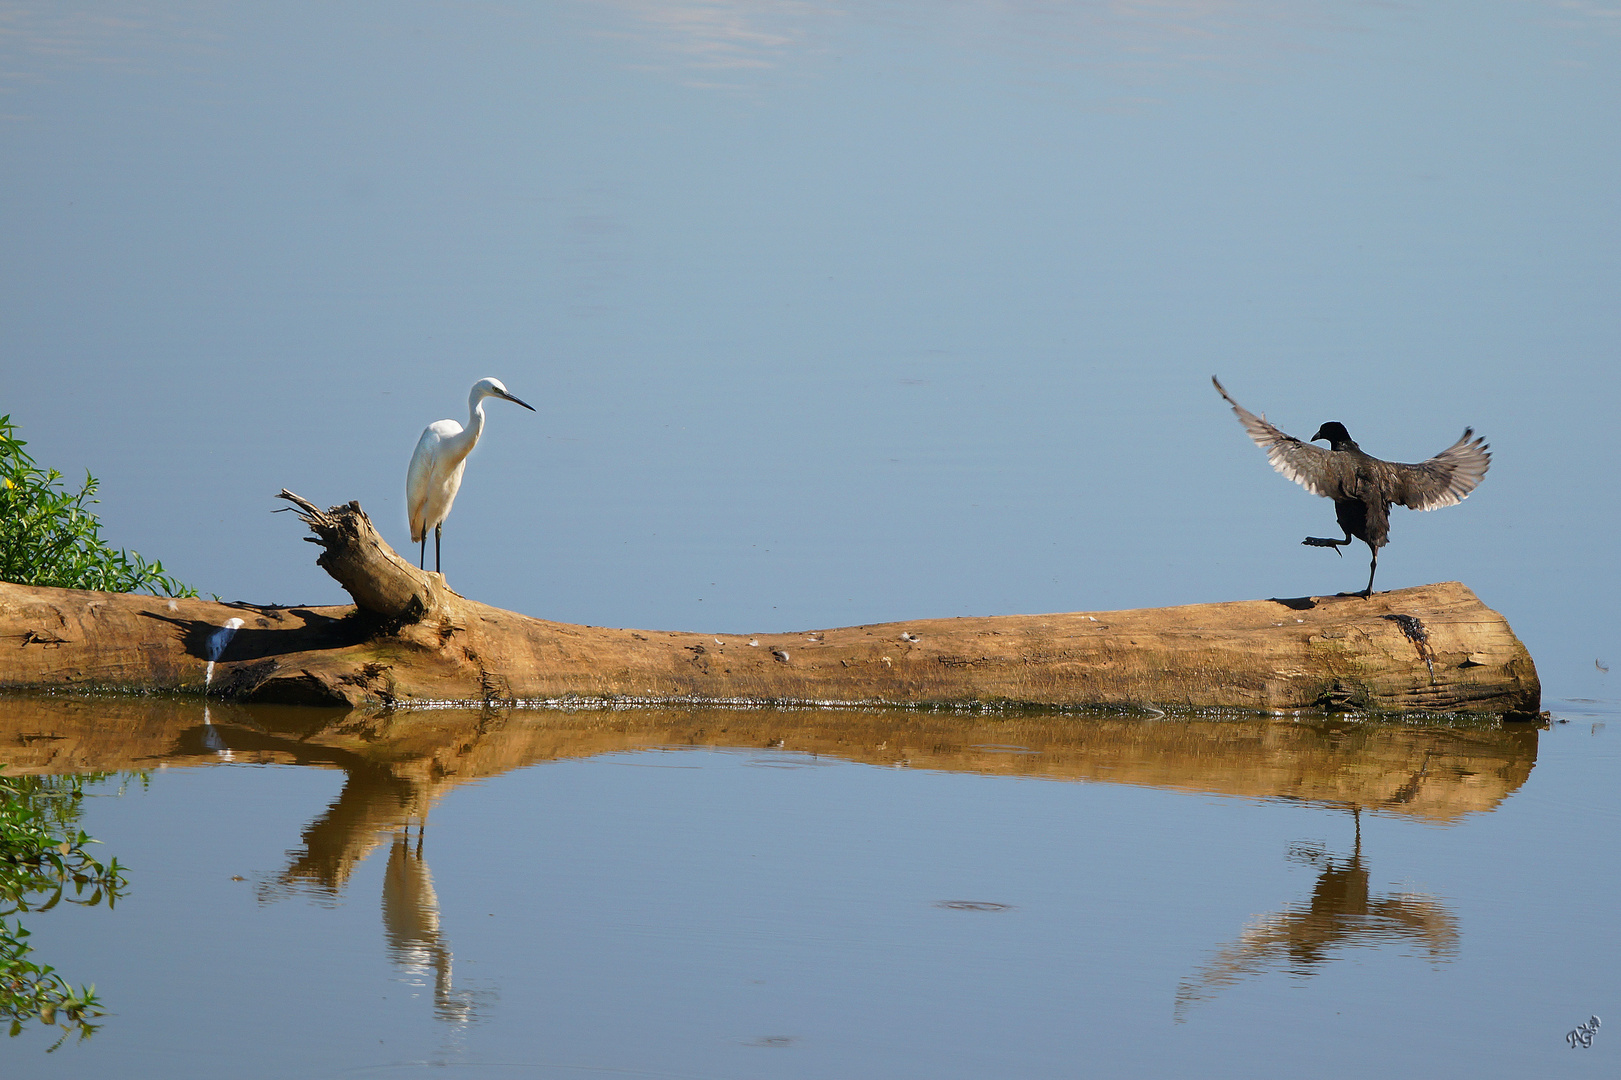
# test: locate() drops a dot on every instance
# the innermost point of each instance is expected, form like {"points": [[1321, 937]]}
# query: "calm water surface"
{"points": [[742, 893]]}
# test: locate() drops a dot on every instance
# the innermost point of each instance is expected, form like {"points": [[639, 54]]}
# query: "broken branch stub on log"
{"points": [[369, 570], [411, 639]]}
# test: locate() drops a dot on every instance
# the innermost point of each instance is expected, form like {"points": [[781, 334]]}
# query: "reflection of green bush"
{"points": [[43, 862], [49, 537]]}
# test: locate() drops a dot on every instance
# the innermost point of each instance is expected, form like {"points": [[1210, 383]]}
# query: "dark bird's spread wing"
{"points": [[1445, 479], [1305, 464]]}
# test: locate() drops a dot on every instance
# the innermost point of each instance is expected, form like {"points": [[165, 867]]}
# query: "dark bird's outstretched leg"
{"points": [[1318, 541], [436, 529]]}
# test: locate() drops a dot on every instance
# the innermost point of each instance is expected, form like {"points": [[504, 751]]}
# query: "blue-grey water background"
{"points": [[836, 313], [732, 894]]}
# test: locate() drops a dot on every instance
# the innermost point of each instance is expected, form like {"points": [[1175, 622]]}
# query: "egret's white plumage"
{"points": [[436, 467]]}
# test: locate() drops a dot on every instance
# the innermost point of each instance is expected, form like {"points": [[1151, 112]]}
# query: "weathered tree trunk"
{"points": [[411, 639]]}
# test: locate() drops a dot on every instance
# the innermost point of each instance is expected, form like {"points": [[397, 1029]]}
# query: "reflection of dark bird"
{"points": [[1363, 487], [1342, 914]]}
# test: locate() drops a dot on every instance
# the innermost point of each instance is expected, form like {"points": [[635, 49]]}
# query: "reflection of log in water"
{"points": [[1434, 772], [1342, 913], [373, 804]]}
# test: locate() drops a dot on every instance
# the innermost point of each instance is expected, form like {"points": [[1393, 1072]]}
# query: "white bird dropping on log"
{"points": [[216, 648], [436, 467]]}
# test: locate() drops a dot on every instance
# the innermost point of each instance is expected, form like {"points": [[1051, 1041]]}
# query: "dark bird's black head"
{"points": [[1335, 434]]}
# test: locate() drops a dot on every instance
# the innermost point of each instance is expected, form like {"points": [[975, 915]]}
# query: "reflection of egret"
{"points": [[411, 923], [378, 804], [437, 464]]}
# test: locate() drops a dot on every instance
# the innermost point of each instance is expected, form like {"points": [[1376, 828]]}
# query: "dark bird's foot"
{"points": [[1318, 541]]}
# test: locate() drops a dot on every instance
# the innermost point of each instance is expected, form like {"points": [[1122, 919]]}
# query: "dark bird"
{"points": [[1364, 487]]}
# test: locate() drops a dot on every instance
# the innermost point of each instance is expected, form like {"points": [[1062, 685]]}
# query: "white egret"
{"points": [[436, 466]]}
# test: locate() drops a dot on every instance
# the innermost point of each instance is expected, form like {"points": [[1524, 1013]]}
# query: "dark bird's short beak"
{"points": [[1320, 435], [515, 401]]}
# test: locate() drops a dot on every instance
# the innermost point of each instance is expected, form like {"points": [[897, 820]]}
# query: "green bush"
{"points": [[48, 536]]}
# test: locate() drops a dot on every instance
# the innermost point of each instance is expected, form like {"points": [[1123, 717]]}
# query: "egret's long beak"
{"points": [[515, 401]]}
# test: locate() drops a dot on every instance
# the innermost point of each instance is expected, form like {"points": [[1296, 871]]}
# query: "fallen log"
{"points": [[410, 639]]}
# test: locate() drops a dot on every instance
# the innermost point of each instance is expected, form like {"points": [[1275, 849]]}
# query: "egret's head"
{"points": [[495, 388]]}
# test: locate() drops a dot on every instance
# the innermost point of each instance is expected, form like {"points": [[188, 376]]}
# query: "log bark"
{"points": [[410, 639]]}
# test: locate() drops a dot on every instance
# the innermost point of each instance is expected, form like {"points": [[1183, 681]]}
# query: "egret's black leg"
{"points": [[1318, 541], [436, 529], [422, 555]]}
